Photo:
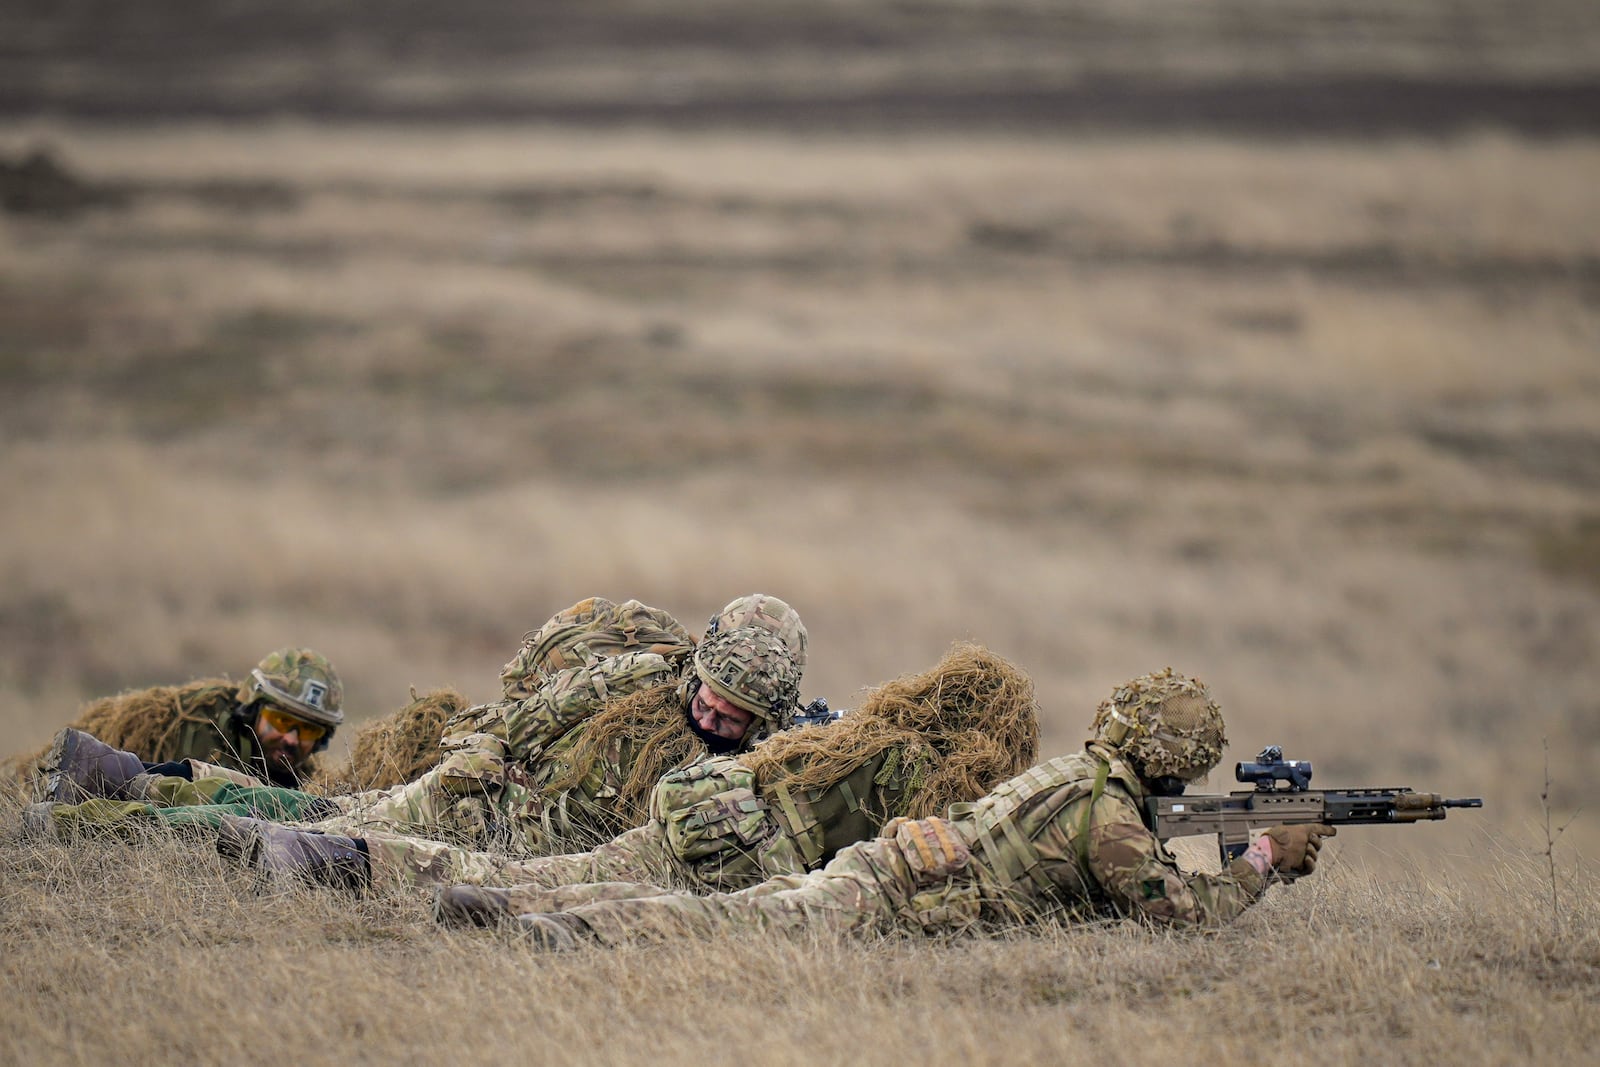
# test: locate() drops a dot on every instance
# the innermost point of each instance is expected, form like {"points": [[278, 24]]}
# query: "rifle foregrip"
{"points": [[1415, 807]]}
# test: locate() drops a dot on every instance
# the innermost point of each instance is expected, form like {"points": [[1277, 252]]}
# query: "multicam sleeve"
{"points": [[568, 697], [1142, 878]]}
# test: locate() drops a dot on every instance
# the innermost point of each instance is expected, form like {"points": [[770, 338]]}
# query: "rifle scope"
{"points": [[1269, 768]]}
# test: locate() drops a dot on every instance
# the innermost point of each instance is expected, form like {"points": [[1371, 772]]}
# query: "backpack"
{"points": [[592, 630]]}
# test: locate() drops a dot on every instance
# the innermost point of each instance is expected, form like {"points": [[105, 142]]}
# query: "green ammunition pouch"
{"points": [[823, 819], [711, 807], [473, 765]]}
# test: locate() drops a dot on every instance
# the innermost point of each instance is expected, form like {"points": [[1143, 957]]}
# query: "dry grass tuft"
{"points": [[395, 749]]}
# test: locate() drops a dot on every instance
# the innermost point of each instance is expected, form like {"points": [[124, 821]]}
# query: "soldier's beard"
{"points": [[281, 770]]}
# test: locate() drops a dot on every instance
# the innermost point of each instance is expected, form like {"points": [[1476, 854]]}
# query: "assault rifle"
{"points": [[816, 713], [1283, 796]]}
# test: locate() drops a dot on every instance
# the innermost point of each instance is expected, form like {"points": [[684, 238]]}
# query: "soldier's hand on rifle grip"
{"points": [[1294, 848]]}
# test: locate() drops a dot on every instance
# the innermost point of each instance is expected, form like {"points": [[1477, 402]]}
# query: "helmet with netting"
{"points": [[301, 682], [1166, 724], [752, 668], [769, 613]]}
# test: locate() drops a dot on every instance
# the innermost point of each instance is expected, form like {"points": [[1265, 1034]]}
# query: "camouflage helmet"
{"points": [[300, 681], [769, 613], [751, 667], [1164, 724]]}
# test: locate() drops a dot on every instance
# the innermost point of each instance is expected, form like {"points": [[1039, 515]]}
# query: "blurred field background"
{"points": [[1260, 340]]}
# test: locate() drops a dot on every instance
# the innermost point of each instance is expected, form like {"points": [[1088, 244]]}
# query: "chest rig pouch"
{"points": [[711, 807]]}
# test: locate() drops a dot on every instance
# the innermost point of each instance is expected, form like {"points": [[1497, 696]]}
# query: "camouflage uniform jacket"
{"points": [[1069, 837], [1064, 840]]}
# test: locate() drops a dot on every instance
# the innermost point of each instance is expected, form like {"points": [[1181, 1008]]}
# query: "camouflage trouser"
{"points": [[919, 879], [651, 855], [473, 798], [178, 802], [436, 804], [640, 855]]}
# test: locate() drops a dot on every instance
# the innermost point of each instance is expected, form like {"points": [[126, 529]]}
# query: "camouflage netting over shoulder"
{"points": [[652, 728], [965, 726], [149, 722], [395, 749]]}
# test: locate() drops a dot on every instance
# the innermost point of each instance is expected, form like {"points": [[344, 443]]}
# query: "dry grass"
{"points": [[1312, 419], [114, 949]]}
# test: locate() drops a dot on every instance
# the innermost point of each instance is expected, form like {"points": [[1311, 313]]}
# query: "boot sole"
{"points": [[58, 788]]}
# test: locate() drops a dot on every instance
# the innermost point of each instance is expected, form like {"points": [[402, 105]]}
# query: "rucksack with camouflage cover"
{"points": [[591, 630]]}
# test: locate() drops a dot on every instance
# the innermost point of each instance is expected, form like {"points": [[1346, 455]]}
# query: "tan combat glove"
{"points": [[1294, 848]]}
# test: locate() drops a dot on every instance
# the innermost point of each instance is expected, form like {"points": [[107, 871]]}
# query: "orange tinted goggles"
{"points": [[283, 722]]}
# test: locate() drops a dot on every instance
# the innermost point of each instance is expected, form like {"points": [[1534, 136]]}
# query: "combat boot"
{"points": [[282, 855], [554, 931], [472, 905], [80, 767]]}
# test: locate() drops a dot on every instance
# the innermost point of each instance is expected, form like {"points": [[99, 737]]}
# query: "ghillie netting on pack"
{"points": [[149, 722], [653, 728], [964, 726], [395, 749]]}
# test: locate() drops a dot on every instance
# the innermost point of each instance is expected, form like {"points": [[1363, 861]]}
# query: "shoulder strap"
{"points": [[1095, 794]]}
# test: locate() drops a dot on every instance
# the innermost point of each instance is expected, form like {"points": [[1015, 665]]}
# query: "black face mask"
{"points": [[1167, 786], [716, 744]]}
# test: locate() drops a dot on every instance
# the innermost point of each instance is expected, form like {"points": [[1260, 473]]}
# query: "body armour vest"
{"points": [[1004, 824]]}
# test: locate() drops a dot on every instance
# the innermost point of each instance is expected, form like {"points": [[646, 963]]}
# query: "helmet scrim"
{"points": [[1165, 724], [769, 613], [751, 667]]}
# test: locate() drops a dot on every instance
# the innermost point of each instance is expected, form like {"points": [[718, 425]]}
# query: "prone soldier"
{"points": [[600, 702], [267, 729], [1067, 839]]}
